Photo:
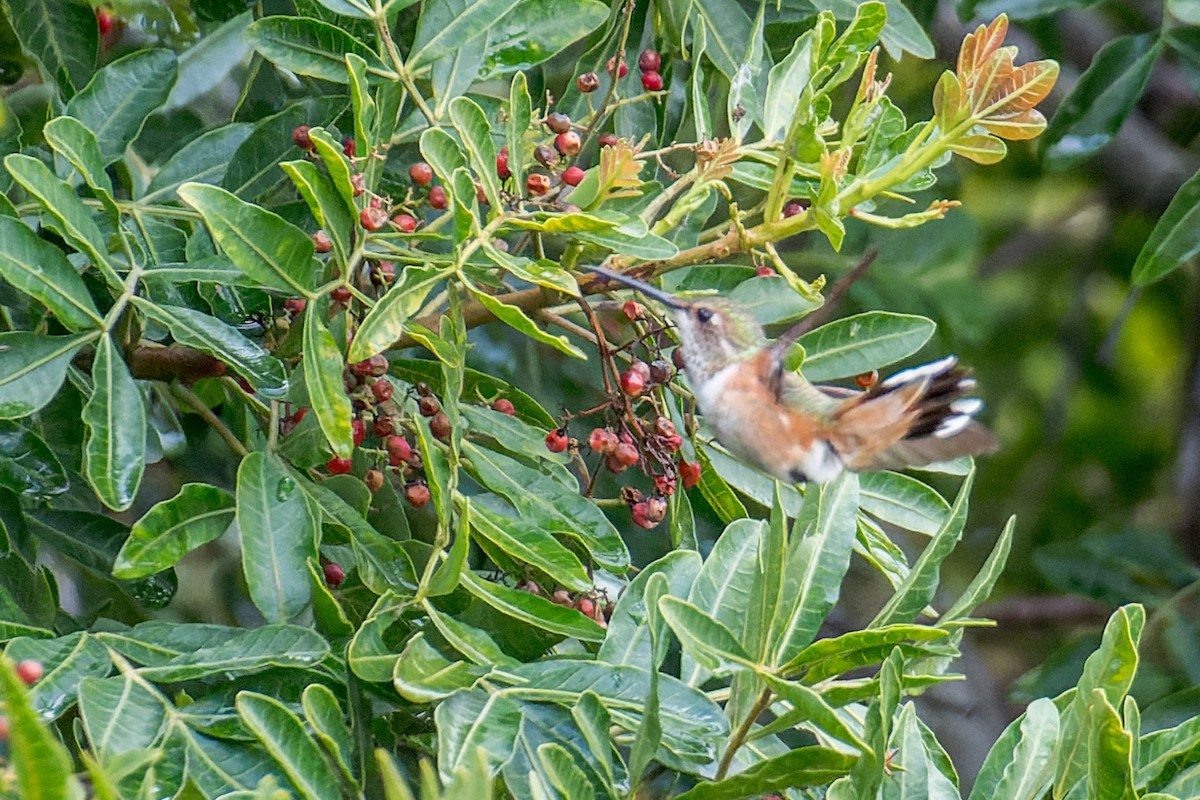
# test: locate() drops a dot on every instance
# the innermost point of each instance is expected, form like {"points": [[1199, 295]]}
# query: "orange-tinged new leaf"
{"points": [[980, 148], [619, 171], [949, 105], [1014, 127], [978, 47], [1027, 85]]}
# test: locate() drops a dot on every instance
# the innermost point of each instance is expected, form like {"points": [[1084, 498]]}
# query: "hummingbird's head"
{"points": [[713, 331]]}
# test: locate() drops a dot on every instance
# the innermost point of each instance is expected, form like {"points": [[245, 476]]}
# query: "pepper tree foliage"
{"points": [[485, 631]]}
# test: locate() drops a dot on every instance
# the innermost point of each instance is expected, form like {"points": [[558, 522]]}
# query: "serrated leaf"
{"points": [[115, 416], [118, 99], [173, 528], [311, 47]]}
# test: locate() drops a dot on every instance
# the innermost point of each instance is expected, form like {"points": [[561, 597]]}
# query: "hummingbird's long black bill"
{"points": [[665, 298]]}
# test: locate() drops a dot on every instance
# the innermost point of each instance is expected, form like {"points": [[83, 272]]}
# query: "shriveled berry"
{"points": [[612, 66], [439, 426], [530, 586], [295, 306], [660, 371], [423, 389], [417, 494], [567, 143], [398, 450], [421, 173], [561, 597], [677, 358], [664, 427], [378, 365], [867, 379], [502, 170], [349, 147], [556, 440], [689, 474], [373, 479], [504, 406], [649, 61], [652, 81], [341, 294], [358, 431], [588, 82], [321, 242], [428, 405], [358, 183], [372, 218], [537, 184], [382, 389], [407, 223], [301, 138], [338, 466], [664, 484], [437, 198], [30, 671], [384, 427], [545, 155], [558, 123], [602, 440], [572, 176], [765, 272], [639, 515], [607, 140], [626, 454], [641, 368], [334, 574], [632, 382]]}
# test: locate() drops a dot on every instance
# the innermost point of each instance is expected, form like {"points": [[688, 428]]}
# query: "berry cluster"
{"points": [[594, 604]]}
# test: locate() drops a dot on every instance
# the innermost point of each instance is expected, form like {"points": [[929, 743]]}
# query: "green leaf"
{"points": [[1096, 107], [515, 318], [530, 545], [810, 709], [204, 159], [173, 528], [311, 47], [704, 638], [39, 269], [116, 102], [854, 345], [916, 774], [629, 640], [804, 766], [475, 719], [41, 764], [269, 250], [520, 115], [903, 501], [1020, 765], [716, 491], [323, 368], [72, 140], [540, 500], [472, 642], [786, 82], [818, 557], [537, 30], [115, 415], [825, 658], [727, 30], [62, 37], [67, 660], [278, 536], [32, 368], [27, 464], [475, 131], [447, 24], [1110, 767], [325, 204], [384, 323], [632, 239], [220, 340], [917, 591], [535, 611], [980, 587], [423, 675], [287, 741], [1175, 239], [254, 168], [120, 714]]}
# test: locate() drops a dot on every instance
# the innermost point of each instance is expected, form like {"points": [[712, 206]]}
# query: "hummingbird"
{"points": [[781, 423]]}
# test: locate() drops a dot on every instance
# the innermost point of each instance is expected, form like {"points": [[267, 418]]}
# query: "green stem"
{"points": [[389, 44], [739, 736]]}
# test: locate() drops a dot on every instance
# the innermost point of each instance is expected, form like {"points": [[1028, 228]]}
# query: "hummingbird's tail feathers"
{"points": [[915, 417]]}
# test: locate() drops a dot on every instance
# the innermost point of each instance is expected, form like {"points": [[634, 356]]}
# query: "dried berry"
{"points": [[556, 440], [358, 183], [349, 147], [664, 484], [652, 81], [334, 574], [437, 198], [640, 516], [537, 184], [421, 173], [439, 426], [633, 310], [561, 597], [358, 431], [398, 450], [545, 155], [567, 143], [384, 427], [372, 218], [417, 494], [382, 389], [301, 138], [689, 474], [867, 379], [405, 222], [625, 454], [321, 242], [612, 65], [504, 406], [677, 358], [338, 466], [603, 441], [558, 123], [649, 61], [660, 371], [423, 389], [428, 405], [572, 176], [502, 169], [587, 82]]}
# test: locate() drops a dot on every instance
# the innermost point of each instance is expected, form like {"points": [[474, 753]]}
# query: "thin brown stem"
{"points": [[826, 311], [216, 423], [739, 736]]}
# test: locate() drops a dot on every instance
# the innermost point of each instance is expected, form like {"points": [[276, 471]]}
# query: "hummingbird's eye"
{"points": [[705, 315]]}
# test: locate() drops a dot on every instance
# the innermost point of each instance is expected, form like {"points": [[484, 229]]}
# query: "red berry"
{"points": [[301, 138], [428, 406], [537, 184], [556, 440], [338, 466], [374, 480], [398, 450], [608, 140], [358, 431], [30, 671], [321, 242], [640, 515], [867, 379], [405, 222], [586, 606], [632, 382], [439, 426], [664, 484], [588, 82], [384, 427], [104, 21], [641, 368], [689, 474], [373, 367], [612, 64], [349, 147], [421, 173], [437, 198], [382, 389], [652, 81], [602, 440], [295, 306], [649, 61], [504, 406], [572, 176], [417, 494], [625, 454], [765, 272], [372, 218], [502, 170], [567, 143], [341, 294], [792, 209], [633, 310], [558, 123], [334, 574]]}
